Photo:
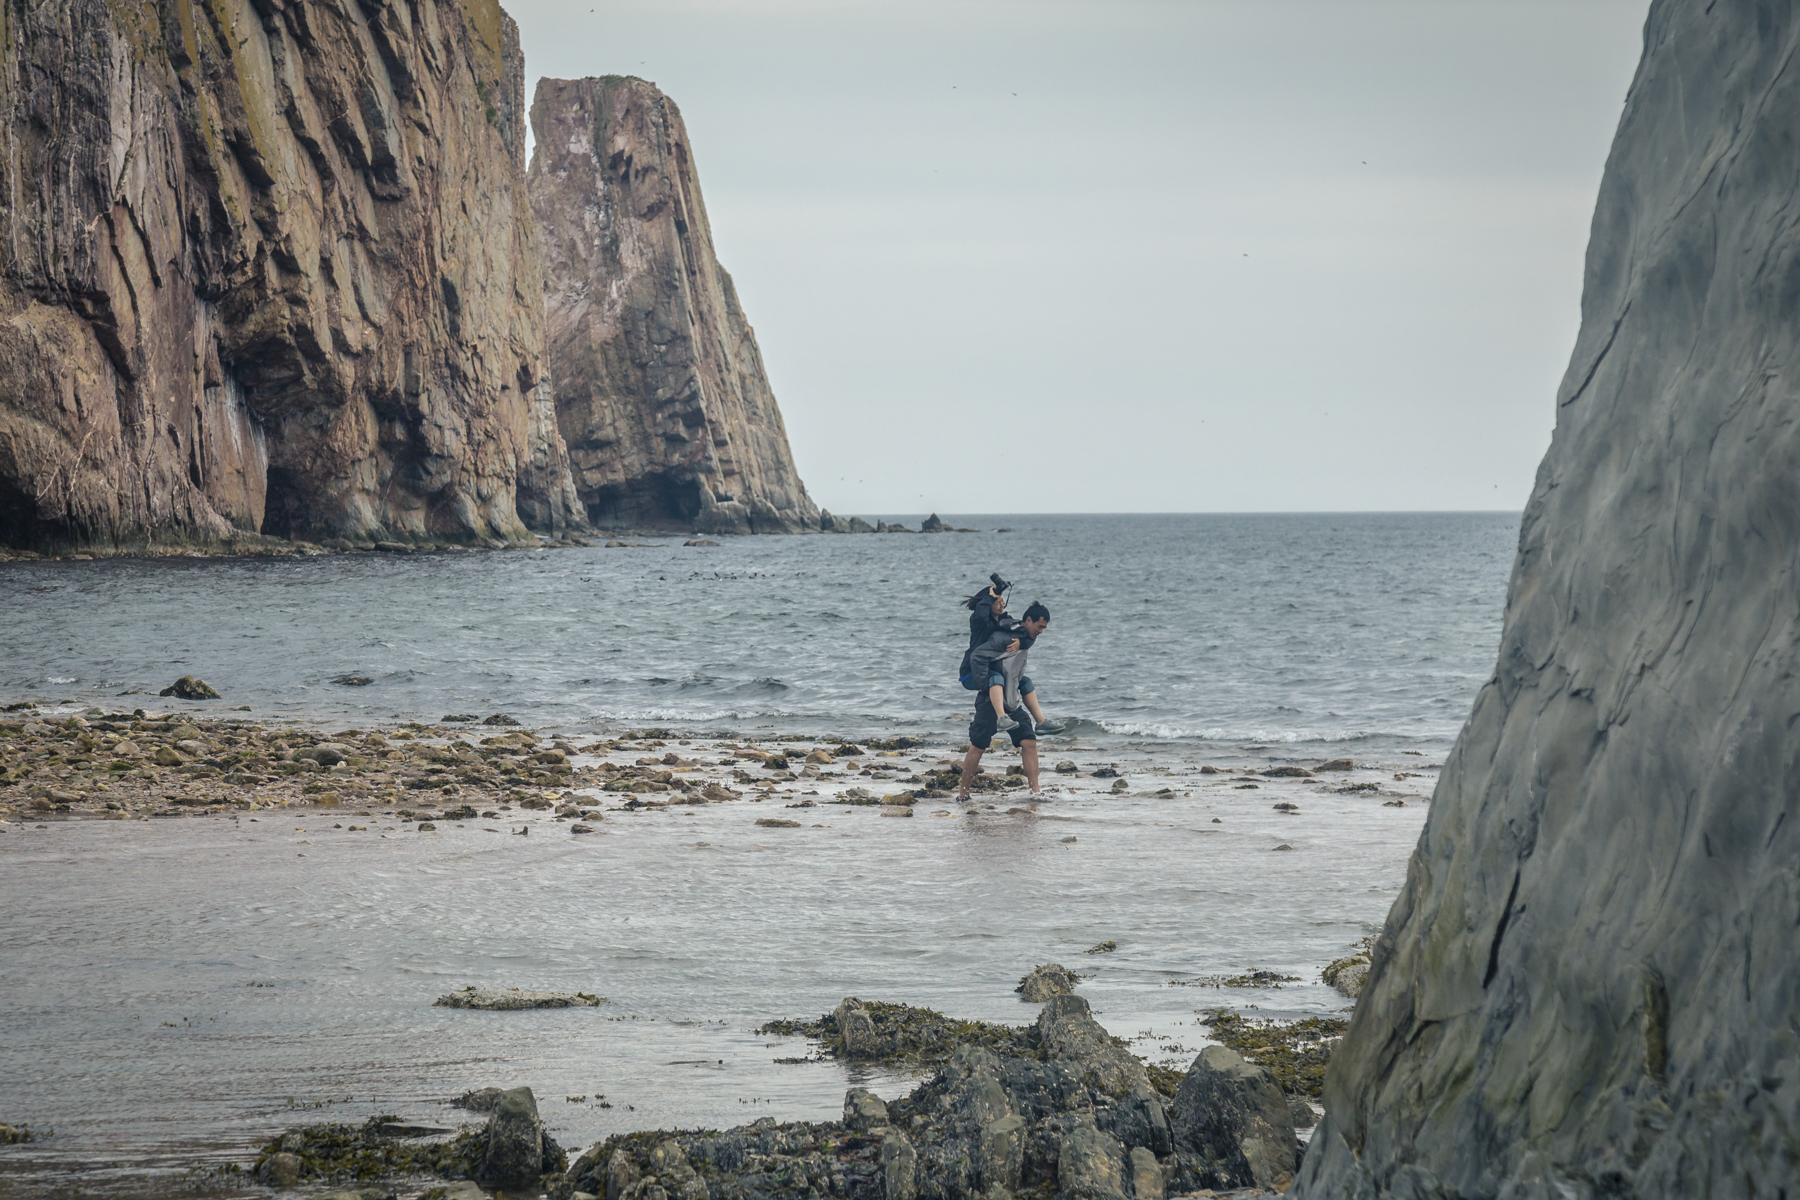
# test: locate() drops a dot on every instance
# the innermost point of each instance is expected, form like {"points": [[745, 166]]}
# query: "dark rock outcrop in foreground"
{"points": [[1589, 985], [1060, 1109], [661, 394], [269, 268], [1057, 1109]]}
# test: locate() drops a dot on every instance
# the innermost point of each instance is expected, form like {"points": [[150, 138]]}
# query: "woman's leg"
{"points": [[1028, 692]]}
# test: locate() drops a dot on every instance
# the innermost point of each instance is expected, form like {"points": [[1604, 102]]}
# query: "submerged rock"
{"points": [[507, 999]]}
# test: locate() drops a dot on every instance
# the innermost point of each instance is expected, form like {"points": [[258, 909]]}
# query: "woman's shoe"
{"points": [[1051, 726], [1005, 724]]}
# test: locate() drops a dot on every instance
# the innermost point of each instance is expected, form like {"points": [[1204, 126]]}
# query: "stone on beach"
{"points": [[509, 999]]}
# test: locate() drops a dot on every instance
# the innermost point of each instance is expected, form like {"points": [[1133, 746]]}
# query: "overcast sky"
{"points": [[1142, 255]]}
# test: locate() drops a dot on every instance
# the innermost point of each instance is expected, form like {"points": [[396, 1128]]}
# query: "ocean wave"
{"points": [[1255, 736]]}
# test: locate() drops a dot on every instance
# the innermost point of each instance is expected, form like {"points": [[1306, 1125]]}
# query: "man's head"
{"points": [[1037, 619]]}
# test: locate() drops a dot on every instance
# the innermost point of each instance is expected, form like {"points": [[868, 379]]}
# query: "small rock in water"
{"points": [[189, 688], [352, 680], [1284, 846], [1047, 980], [779, 823], [499, 719], [1106, 947], [509, 999], [1119, 785], [460, 718], [1338, 764], [581, 829], [700, 542], [427, 827]]}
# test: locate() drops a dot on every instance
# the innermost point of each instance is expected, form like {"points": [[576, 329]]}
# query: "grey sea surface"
{"points": [[180, 990], [1324, 633]]}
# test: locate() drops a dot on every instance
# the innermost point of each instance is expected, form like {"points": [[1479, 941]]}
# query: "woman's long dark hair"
{"points": [[974, 602]]}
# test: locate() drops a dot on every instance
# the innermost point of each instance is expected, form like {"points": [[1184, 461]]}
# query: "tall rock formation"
{"points": [[660, 390], [1589, 985], [268, 265]]}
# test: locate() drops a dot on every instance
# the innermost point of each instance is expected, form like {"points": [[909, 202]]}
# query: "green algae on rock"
{"points": [[877, 1031], [1294, 1052]]}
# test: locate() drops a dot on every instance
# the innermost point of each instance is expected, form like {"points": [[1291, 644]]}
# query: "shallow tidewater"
{"points": [[178, 986], [180, 989]]}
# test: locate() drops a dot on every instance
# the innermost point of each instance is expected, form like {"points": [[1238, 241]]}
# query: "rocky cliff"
{"points": [[661, 394], [268, 265], [1589, 986]]}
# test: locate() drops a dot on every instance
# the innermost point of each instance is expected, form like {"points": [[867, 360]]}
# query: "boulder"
{"points": [[517, 1152], [1090, 1165], [1068, 1032], [1231, 1125], [281, 1170], [326, 754], [899, 1165], [863, 1109], [485, 1099], [189, 688], [856, 1033], [1046, 980]]}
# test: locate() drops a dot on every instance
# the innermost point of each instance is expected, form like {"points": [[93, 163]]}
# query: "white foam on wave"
{"points": [[1282, 737]]}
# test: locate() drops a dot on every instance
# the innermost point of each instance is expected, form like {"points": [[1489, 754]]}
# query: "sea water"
{"points": [[179, 990]]}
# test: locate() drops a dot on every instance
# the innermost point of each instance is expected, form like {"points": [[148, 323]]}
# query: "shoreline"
{"points": [[142, 765], [259, 545]]}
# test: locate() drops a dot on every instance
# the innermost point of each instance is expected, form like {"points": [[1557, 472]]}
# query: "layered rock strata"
{"points": [[268, 267], [661, 393], [1588, 986]]}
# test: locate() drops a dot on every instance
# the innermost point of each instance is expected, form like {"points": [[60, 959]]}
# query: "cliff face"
{"points": [[268, 266], [661, 394], [1589, 985]]}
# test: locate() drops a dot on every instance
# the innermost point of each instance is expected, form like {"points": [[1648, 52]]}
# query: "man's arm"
{"points": [[982, 660]]}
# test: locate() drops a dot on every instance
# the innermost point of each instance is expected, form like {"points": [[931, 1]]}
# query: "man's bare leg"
{"points": [[1028, 755], [971, 760]]}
